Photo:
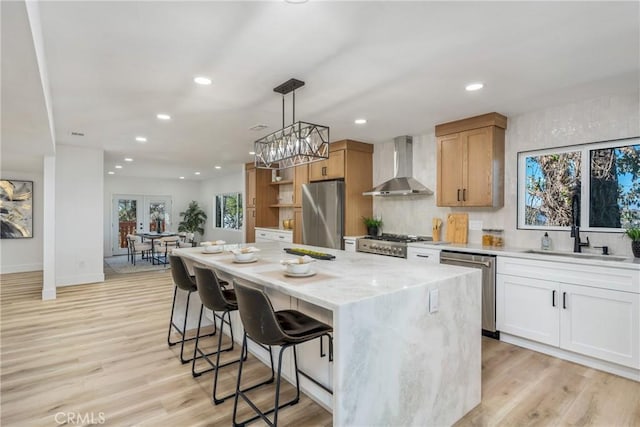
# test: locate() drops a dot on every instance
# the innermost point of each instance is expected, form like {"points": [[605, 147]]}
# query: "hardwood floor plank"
{"points": [[101, 348]]}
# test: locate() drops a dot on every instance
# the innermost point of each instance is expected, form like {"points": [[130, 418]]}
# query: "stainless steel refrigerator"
{"points": [[323, 214]]}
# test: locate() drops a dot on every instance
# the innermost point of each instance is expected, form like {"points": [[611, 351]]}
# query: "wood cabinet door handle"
{"points": [[253, 214], [324, 171], [464, 194], [553, 298], [458, 194], [254, 200]]}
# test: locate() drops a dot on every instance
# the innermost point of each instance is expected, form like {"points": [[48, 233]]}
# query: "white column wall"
{"points": [[49, 233], [18, 255], [79, 215], [229, 182]]}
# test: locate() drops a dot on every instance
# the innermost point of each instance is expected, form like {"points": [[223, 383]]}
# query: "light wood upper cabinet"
{"points": [[250, 225], [300, 176], [260, 196], [250, 180], [470, 156], [332, 168]]}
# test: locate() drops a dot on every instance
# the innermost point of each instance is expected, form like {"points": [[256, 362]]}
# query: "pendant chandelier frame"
{"points": [[293, 145]]}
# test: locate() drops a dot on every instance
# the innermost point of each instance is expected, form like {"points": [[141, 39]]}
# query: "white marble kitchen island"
{"points": [[395, 364]]}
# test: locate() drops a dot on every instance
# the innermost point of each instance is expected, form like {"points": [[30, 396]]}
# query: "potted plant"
{"points": [[634, 234], [373, 225], [193, 219]]}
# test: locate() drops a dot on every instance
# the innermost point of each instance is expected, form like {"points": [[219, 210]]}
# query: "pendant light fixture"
{"points": [[293, 145]]}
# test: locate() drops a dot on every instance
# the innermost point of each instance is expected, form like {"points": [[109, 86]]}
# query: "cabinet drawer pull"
{"points": [[458, 194], [564, 300], [280, 237], [464, 194], [422, 256], [553, 298], [348, 243], [324, 171], [253, 214], [262, 234], [254, 200]]}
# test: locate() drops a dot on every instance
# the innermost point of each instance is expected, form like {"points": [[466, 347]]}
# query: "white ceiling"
{"points": [[112, 66]]}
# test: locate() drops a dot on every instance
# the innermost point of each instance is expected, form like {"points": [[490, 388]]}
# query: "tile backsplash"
{"points": [[600, 119]]}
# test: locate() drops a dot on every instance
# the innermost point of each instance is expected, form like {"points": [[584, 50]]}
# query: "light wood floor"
{"points": [[102, 349]]}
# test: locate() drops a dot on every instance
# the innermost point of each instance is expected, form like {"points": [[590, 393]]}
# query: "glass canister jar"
{"points": [[492, 237]]}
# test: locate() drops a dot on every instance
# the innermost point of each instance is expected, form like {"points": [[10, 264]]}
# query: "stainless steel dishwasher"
{"points": [[487, 263]]}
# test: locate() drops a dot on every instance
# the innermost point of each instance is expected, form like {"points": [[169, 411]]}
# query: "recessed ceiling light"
{"points": [[196, 173], [141, 139], [111, 173], [163, 116], [218, 167], [474, 86], [202, 80], [252, 153], [360, 121], [182, 177], [128, 159], [118, 166]]}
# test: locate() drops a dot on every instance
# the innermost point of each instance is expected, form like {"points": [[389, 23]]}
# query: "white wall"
{"points": [[18, 255], [182, 192], [229, 182], [601, 119], [78, 215]]}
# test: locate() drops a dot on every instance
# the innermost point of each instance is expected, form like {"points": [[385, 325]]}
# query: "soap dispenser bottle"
{"points": [[545, 244]]}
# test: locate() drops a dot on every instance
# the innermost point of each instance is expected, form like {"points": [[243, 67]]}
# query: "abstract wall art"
{"points": [[16, 209]]}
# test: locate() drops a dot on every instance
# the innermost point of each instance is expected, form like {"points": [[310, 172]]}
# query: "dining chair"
{"points": [[135, 246]]}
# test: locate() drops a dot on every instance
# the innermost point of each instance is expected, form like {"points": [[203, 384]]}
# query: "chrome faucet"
{"points": [[575, 222]]}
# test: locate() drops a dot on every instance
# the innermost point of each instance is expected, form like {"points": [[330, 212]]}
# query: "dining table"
{"points": [[153, 236]]}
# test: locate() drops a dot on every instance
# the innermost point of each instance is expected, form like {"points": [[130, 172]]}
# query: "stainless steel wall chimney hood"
{"points": [[402, 184]]}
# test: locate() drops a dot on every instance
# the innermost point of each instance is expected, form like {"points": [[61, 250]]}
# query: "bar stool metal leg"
{"points": [[182, 332]]}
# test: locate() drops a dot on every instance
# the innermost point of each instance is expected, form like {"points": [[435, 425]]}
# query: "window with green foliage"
{"points": [[608, 196], [228, 211]]}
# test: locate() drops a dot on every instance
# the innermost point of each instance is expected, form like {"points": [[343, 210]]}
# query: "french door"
{"points": [[138, 214]]}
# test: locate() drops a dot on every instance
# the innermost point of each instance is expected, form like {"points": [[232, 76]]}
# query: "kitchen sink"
{"points": [[577, 255]]}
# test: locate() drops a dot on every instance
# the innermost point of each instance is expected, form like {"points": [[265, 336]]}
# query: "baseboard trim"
{"points": [[48, 294], [20, 268], [79, 280], [612, 368]]}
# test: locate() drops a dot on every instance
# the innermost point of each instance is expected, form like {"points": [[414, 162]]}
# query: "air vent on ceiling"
{"points": [[77, 134], [258, 127]]}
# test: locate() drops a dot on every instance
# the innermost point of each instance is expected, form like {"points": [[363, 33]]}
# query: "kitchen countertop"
{"points": [[349, 278], [514, 252], [278, 229]]}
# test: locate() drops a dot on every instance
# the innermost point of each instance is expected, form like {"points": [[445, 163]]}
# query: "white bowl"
{"points": [[243, 256], [298, 268], [213, 248]]}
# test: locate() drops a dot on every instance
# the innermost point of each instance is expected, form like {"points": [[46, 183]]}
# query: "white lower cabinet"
{"points": [[601, 323], [265, 235], [350, 244], [528, 308], [589, 320], [423, 254]]}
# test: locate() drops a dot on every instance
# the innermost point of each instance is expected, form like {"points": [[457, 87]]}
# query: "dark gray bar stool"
{"points": [[185, 282], [285, 328], [215, 298]]}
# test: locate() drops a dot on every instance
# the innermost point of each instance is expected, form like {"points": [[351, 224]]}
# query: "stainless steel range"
{"points": [[388, 244]]}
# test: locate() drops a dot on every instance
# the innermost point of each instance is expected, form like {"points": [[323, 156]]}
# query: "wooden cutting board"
{"points": [[457, 227]]}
